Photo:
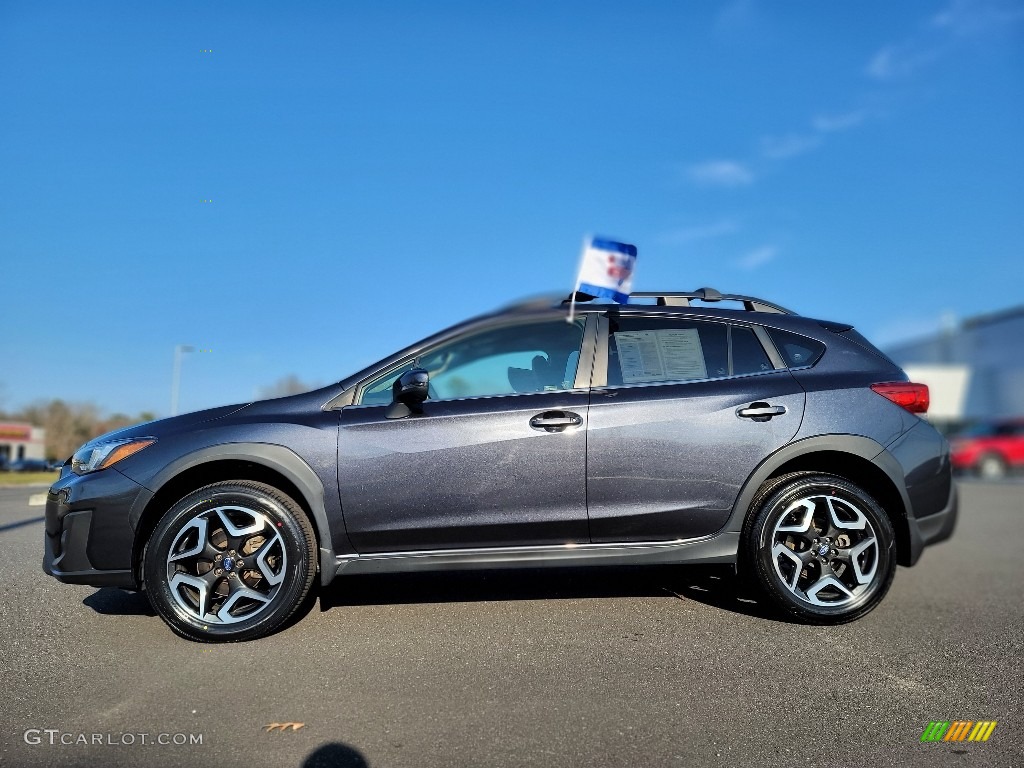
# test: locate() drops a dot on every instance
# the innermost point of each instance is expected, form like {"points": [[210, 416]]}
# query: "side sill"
{"points": [[718, 549]]}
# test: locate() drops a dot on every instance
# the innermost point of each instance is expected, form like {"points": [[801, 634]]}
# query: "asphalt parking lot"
{"points": [[644, 667]]}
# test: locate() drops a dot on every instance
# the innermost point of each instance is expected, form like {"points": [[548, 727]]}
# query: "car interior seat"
{"points": [[523, 380]]}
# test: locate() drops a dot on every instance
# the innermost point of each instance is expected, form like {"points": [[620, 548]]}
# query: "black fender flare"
{"points": [[278, 458], [856, 445]]}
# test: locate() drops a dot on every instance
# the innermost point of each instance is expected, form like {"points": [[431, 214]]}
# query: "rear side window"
{"points": [[798, 351], [748, 356], [650, 350]]}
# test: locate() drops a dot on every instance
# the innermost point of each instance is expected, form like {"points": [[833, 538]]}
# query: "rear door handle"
{"points": [[555, 421], [760, 411]]}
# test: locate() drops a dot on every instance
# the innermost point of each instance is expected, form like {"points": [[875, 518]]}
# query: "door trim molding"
{"points": [[718, 548]]}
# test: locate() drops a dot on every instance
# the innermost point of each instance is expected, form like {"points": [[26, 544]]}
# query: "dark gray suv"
{"points": [[654, 432]]}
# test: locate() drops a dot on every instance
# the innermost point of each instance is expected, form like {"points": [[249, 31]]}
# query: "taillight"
{"points": [[906, 394]]}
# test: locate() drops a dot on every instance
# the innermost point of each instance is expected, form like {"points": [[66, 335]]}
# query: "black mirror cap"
{"points": [[412, 387], [408, 393]]}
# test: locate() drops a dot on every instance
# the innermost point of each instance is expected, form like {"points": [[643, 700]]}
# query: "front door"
{"points": [[497, 458]]}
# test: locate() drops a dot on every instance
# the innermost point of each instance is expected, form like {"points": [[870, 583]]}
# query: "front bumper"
{"points": [[88, 538]]}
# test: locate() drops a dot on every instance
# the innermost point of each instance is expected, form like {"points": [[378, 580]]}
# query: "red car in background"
{"points": [[989, 450]]}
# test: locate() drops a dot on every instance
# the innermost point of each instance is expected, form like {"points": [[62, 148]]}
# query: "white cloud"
{"points": [[721, 173], [838, 122], [702, 232], [972, 17], [758, 257], [895, 61], [790, 145], [959, 21]]}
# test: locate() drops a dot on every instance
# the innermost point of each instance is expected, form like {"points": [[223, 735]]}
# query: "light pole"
{"points": [[179, 350]]}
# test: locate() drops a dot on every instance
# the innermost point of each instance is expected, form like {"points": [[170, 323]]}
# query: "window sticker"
{"points": [[666, 354]]}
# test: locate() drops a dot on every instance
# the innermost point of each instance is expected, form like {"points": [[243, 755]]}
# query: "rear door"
{"points": [[682, 413], [498, 456]]}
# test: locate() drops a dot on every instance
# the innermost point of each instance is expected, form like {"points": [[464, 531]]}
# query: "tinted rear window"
{"points": [[798, 351], [647, 350], [748, 356]]}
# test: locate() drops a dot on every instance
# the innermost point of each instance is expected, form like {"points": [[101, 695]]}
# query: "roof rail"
{"points": [[682, 299]]}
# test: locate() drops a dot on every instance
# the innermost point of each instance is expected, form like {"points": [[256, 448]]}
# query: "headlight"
{"points": [[92, 457]]}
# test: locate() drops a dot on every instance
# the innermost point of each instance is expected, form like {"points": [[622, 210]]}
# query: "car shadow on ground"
{"points": [[120, 602], [715, 586], [21, 523]]}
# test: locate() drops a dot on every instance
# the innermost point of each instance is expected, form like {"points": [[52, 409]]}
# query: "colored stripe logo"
{"points": [[958, 730]]}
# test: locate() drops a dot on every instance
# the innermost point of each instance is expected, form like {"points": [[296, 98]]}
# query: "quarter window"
{"points": [[798, 351]]}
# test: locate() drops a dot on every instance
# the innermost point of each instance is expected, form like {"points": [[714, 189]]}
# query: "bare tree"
{"points": [[69, 425]]}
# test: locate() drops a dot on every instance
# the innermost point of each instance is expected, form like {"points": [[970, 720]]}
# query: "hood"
{"points": [[160, 427]]}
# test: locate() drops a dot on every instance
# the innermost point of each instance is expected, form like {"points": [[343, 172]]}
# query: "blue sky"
{"points": [[378, 171]]}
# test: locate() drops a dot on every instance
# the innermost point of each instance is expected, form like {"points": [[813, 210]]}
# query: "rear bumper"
{"points": [[934, 528], [88, 538], [920, 466]]}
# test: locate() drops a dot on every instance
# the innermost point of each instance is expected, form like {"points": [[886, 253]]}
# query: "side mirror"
{"points": [[408, 393]]}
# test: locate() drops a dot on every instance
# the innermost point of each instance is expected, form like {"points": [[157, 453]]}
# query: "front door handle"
{"points": [[555, 421], [760, 411]]}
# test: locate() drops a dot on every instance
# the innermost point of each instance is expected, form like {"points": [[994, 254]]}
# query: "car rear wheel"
{"points": [[819, 547], [231, 561], [991, 466]]}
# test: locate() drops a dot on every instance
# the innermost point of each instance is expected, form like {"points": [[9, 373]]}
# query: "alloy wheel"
{"points": [[226, 565], [825, 550]]}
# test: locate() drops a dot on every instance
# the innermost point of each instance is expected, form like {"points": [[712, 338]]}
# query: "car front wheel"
{"points": [[819, 547], [231, 561]]}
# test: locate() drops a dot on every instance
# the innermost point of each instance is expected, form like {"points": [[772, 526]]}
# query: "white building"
{"points": [[21, 441], [975, 369]]}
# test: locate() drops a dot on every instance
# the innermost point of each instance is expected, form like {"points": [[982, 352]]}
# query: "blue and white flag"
{"points": [[606, 270]]}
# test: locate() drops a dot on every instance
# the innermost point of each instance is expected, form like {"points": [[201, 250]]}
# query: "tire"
{"points": [[231, 561], [818, 547], [991, 466]]}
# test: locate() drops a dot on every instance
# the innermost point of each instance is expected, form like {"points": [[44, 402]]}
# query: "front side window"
{"points": [[651, 350], [539, 356], [378, 390]]}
